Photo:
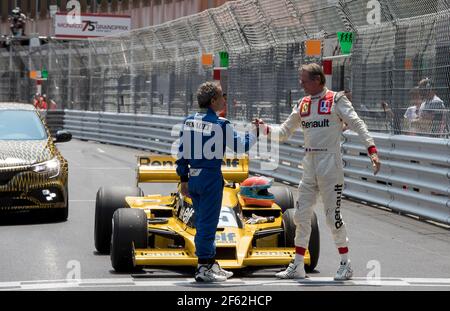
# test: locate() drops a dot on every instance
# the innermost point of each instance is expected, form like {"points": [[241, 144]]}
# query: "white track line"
{"points": [[189, 282], [81, 201]]}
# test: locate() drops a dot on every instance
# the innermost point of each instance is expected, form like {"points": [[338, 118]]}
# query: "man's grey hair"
{"points": [[207, 92], [314, 70]]}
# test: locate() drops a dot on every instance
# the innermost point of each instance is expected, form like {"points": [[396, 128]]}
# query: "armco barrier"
{"points": [[54, 120], [414, 177]]}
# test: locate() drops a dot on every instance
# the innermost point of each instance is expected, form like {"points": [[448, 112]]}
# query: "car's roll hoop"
{"points": [[162, 169]]}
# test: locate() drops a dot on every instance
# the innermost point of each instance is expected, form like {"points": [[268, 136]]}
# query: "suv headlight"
{"points": [[51, 167]]}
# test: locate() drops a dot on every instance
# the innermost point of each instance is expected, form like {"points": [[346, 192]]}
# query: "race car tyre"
{"points": [[108, 200], [288, 238], [283, 197], [314, 244], [129, 227]]}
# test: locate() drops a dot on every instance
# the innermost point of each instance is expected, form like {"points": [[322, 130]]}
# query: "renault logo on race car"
{"points": [[49, 196], [149, 162]]}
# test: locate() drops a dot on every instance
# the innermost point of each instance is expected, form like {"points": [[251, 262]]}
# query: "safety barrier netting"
{"points": [[156, 70]]}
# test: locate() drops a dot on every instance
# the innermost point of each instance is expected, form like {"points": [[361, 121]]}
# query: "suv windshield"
{"points": [[21, 125]]}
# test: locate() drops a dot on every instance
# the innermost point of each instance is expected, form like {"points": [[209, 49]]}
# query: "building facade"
{"points": [[143, 12]]}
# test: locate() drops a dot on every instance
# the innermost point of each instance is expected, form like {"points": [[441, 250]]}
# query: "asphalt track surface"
{"points": [[36, 254]]}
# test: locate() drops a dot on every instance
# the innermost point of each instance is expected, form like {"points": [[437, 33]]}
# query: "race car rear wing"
{"points": [[162, 169]]}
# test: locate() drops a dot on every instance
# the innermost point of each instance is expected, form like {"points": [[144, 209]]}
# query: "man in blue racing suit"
{"points": [[203, 140]]}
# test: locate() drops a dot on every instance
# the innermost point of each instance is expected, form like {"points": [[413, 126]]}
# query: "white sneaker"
{"points": [[293, 271], [218, 270], [345, 272], [205, 273]]}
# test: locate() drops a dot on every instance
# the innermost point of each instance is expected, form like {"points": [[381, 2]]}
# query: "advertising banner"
{"points": [[91, 26]]}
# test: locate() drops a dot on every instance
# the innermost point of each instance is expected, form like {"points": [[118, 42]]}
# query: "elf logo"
{"points": [[226, 237]]}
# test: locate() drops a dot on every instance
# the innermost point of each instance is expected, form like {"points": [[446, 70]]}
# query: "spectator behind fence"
{"points": [[360, 108], [412, 124], [432, 110], [388, 115], [35, 100], [51, 104], [42, 102]]}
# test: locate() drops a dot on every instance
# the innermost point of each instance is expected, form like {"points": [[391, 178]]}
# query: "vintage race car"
{"points": [[155, 230]]}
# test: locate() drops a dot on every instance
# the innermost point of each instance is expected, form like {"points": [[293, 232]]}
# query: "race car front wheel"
{"points": [[288, 237], [108, 200], [129, 227]]}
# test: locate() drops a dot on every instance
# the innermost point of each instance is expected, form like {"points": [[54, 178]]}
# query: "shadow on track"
{"points": [[23, 218]]}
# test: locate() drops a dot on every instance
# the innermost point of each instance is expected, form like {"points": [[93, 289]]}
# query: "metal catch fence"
{"points": [[157, 70], [414, 178]]}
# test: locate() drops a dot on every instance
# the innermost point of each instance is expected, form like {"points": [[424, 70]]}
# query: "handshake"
{"points": [[260, 125]]}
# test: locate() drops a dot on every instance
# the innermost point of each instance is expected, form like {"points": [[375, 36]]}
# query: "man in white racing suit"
{"points": [[321, 115]]}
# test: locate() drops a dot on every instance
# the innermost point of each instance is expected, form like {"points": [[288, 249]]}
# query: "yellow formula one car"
{"points": [[154, 230]]}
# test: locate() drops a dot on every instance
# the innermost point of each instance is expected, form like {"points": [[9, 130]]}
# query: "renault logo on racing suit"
{"points": [[316, 124], [337, 211]]}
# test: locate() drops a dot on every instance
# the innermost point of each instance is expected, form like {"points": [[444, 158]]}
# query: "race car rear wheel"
{"points": [[108, 200], [288, 237], [129, 226], [314, 244], [283, 197]]}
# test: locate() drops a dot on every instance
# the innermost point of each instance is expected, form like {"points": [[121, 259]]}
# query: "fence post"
{"points": [[90, 77], [132, 78], [69, 74]]}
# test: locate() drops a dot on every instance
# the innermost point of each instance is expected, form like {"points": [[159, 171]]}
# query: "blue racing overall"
{"points": [[203, 140]]}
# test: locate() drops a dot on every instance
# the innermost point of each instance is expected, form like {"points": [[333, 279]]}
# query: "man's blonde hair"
{"points": [[314, 70]]}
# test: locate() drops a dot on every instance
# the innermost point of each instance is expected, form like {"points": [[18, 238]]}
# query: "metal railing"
{"points": [[156, 70], [414, 179]]}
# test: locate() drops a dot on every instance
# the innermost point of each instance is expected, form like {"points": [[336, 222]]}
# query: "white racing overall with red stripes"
{"points": [[321, 117]]}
